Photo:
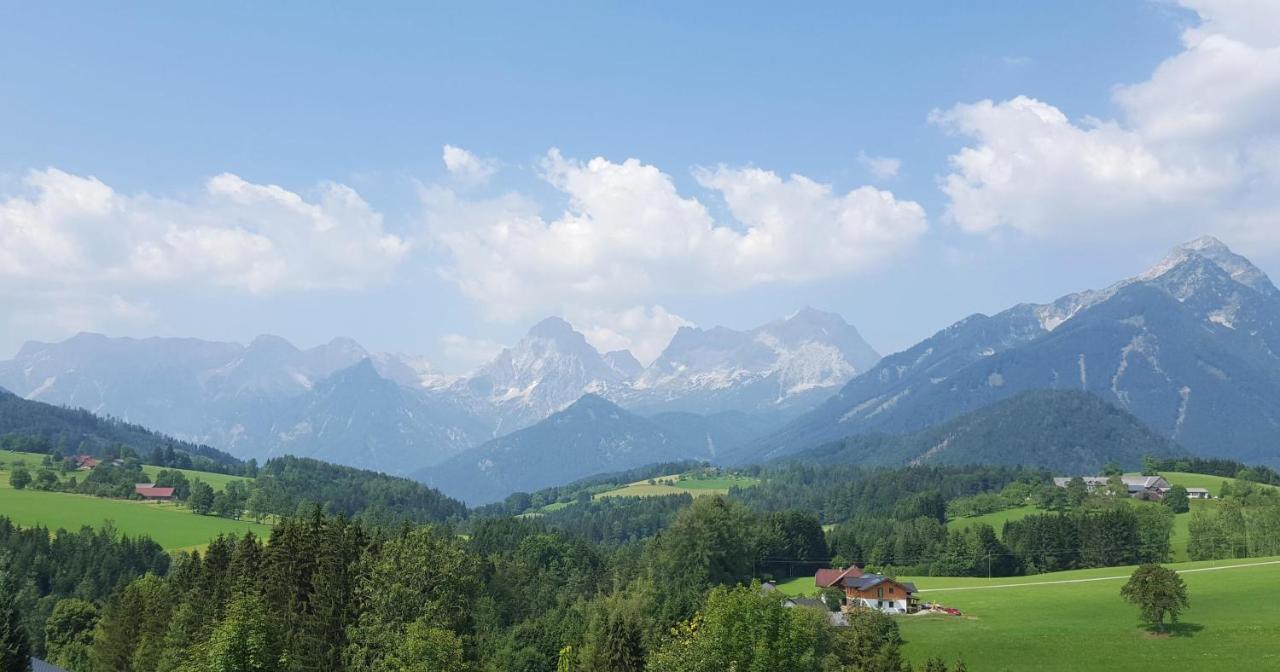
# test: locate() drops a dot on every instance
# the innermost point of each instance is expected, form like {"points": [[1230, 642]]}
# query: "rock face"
{"points": [[1188, 347]]}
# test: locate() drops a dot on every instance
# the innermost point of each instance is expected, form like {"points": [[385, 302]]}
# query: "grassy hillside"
{"points": [[171, 526], [34, 461], [680, 485], [1081, 623]]}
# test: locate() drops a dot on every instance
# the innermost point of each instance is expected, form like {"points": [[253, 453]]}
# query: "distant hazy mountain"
{"points": [[546, 371], [591, 436], [340, 403], [787, 365], [264, 399], [1189, 347], [356, 417], [1066, 431]]}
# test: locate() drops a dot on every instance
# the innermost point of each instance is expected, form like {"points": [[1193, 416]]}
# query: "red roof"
{"points": [[825, 578], [152, 491]]}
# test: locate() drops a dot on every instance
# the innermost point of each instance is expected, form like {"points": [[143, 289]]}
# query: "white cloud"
{"points": [[1195, 151], [68, 230], [467, 167], [645, 331], [627, 236], [76, 254], [883, 167]]}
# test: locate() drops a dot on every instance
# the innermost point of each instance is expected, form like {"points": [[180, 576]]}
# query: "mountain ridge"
{"points": [[1184, 346]]}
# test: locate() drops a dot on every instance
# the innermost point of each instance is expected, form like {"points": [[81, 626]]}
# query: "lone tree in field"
{"points": [[1158, 592]]}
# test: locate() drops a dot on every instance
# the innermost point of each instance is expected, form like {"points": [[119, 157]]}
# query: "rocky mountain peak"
{"points": [[624, 363], [1215, 251]]}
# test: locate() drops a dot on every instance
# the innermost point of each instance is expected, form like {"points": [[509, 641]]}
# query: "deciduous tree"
{"points": [[1158, 592]]}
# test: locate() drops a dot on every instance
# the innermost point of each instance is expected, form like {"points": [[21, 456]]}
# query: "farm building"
{"points": [[871, 591], [150, 491], [86, 462], [835, 618], [1143, 487], [1199, 493]]}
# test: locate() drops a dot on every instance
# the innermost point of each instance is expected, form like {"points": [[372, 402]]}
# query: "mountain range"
{"points": [[341, 403], [1189, 347], [592, 436]]}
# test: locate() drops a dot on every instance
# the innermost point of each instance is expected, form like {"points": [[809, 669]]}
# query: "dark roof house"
{"points": [[827, 578]]}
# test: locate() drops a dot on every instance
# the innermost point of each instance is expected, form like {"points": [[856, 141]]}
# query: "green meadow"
{"points": [[173, 527], [1076, 621], [680, 485], [33, 461]]}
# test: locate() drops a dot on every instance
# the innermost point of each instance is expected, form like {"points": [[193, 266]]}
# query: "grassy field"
{"points": [[171, 526], [33, 461], [676, 485], [1076, 621], [1211, 483]]}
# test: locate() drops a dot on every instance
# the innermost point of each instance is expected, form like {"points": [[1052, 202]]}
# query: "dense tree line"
{"points": [[45, 570], [1122, 534], [1246, 523], [582, 490], [331, 593], [1213, 466], [841, 493], [287, 486], [617, 520]]}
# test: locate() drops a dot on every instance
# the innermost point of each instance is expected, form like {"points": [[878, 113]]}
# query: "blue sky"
{"points": [[246, 168]]}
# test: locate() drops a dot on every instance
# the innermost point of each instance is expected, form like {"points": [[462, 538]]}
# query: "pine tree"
{"points": [[15, 646]]}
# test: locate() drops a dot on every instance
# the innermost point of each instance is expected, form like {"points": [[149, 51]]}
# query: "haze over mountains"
{"points": [[1188, 349], [340, 403]]}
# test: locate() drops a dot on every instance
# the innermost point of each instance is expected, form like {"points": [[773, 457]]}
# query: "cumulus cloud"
{"points": [[1195, 150], [70, 230], [628, 236], [76, 254], [467, 167], [644, 330], [883, 167]]}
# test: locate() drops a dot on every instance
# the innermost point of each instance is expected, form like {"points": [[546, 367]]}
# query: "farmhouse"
{"points": [[149, 491], [1198, 493], [1142, 487], [871, 591], [86, 462]]}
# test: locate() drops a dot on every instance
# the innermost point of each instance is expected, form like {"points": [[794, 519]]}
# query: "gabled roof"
{"points": [[825, 578], [152, 491], [869, 581]]}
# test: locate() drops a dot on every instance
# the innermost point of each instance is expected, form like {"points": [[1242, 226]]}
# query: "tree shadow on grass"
{"points": [[1177, 630]]}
